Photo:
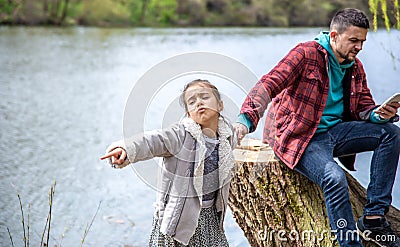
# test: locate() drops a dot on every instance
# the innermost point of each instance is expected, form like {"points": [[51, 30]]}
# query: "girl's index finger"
{"points": [[110, 154]]}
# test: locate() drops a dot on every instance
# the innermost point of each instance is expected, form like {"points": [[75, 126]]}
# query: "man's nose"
{"points": [[359, 46]]}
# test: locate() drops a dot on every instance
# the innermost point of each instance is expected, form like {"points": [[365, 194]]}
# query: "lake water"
{"points": [[62, 99]]}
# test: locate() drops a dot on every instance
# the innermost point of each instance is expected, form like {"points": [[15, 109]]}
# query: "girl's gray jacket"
{"points": [[180, 187]]}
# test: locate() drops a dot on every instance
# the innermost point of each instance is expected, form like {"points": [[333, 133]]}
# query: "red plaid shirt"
{"points": [[299, 85]]}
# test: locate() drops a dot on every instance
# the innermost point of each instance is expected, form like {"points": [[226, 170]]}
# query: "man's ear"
{"points": [[333, 35]]}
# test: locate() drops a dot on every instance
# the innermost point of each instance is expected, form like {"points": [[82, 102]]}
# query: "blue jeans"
{"points": [[345, 138]]}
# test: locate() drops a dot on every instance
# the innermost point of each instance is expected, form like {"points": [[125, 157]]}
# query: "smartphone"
{"points": [[394, 98]]}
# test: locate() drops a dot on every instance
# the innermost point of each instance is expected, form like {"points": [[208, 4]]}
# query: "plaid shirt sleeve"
{"points": [[271, 84]]}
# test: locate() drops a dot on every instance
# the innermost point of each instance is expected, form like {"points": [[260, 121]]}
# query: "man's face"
{"points": [[347, 44]]}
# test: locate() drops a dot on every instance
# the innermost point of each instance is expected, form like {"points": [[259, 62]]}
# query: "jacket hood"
{"points": [[324, 40]]}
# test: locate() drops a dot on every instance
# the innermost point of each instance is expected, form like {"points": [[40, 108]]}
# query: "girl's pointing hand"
{"points": [[117, 157]]}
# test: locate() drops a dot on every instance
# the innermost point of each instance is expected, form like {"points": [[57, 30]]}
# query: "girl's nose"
{"points": [[199, 103]]}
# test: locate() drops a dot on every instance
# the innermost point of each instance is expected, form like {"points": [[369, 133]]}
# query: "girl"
{"points": [[197, 165]]}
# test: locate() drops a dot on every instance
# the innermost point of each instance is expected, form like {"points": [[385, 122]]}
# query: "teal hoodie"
{"points": [[333, 112]]}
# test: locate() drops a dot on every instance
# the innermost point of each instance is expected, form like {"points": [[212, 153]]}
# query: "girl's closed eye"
{"points": [[205, 97]]}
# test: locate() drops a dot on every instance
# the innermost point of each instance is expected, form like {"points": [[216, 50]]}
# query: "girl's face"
{"points": [[202, 105]]}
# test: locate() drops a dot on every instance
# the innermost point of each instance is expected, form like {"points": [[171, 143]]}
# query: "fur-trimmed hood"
{"points": [[226, 159]]}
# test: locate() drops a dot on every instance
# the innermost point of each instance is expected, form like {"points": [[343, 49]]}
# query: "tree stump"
{"points": [[275, 206]]}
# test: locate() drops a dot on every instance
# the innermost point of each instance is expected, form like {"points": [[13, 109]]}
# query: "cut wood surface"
{"points": [[275, 206]]}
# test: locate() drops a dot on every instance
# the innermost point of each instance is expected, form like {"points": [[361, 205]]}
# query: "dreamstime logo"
{"points": [[311, 235], [154, 104], [341, 223]]}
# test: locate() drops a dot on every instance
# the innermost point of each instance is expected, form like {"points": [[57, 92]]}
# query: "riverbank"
{"points": [[178, 13]]}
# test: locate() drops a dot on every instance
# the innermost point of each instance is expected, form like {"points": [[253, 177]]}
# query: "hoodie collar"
{"points": [[324, 40]]}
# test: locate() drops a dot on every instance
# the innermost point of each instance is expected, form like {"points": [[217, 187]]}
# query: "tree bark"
{"points": [[276, 206]]}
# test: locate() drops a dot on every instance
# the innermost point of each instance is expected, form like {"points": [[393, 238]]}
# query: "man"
{"points": [[322, 108]]}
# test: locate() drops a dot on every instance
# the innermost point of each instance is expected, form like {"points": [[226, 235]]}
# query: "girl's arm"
{"points": [[157, 143]]}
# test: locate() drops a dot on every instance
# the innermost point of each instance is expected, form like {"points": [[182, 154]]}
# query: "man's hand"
{"points": [[387, 111], [240, 131]]}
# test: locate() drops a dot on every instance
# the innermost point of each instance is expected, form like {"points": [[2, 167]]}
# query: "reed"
{"points": [[47, 226], [88, 226], [45, 236], [23, 219], [9, 234]]}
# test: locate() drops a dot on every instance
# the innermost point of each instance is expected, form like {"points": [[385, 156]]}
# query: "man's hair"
{"points": [[349, 17]]}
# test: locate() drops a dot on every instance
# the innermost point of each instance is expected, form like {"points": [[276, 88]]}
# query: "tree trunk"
{"points": [[45, 8], [54, 11], [144, 10], [64, 12], [276, 206]]}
